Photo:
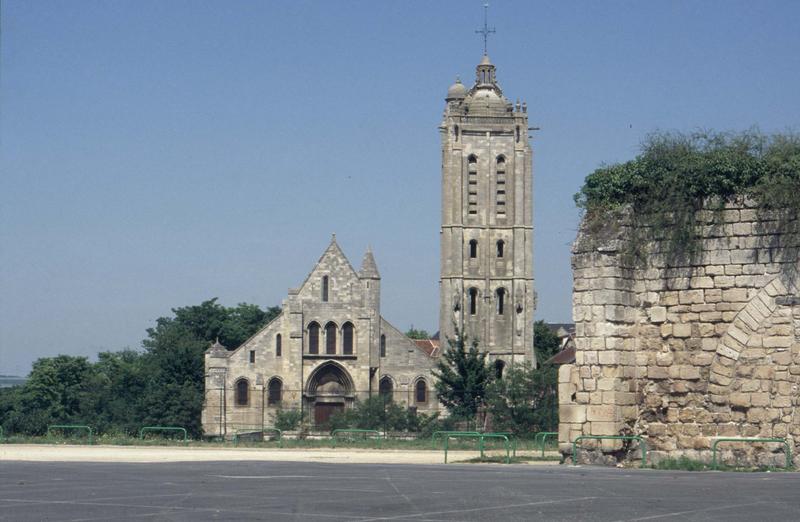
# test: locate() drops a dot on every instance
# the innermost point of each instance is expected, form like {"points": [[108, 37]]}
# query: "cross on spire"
{"points": [[485, 31]]}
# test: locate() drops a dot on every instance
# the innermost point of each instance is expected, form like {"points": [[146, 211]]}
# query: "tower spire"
{"points": [[485, 31]]}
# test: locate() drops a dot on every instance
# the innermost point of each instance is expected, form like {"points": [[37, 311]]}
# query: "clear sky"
{"points": [[156, 154]]}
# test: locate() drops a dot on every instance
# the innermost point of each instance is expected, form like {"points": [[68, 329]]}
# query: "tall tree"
{"points": [[174, 357], [525, 400], [462, 376], [56, 392]]}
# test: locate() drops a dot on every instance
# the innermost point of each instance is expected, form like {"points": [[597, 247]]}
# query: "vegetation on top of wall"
{"points": [[675, 175]]}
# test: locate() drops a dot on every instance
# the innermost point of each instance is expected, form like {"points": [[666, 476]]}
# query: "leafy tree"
{"points": [[462, 376], [545, 341], [126, 389], [57, 391], [413, 333], [120, 384], [174, 364], [525, 400]]}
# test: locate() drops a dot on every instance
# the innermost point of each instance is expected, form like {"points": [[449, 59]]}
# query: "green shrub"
{"points": [[288, 420], [675, 175]]}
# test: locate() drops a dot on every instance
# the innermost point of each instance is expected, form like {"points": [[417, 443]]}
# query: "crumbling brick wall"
{"points": [[683, 353]]}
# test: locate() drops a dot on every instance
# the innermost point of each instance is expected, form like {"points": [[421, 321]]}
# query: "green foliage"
{"points": [[676, 175], [374, 413], [122, 391], [288, 420], [525, 400], [413, 333], [462, 376], [682, 463], [545, 341]]}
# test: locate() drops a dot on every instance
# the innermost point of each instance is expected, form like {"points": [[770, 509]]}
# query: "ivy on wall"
{"points": [[676, 175]]}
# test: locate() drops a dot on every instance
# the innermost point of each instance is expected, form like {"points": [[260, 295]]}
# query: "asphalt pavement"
{"points": [[278, 491]]}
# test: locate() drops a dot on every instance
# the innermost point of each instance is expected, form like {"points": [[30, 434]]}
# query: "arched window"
{"points": [[313, 338], [325, 289], [347, 338], [473, 301], [501, 247], [499, 366], [500, 187], [421, 391], [278, 346], [500, 300], [242, 392], [386, 388], [472, 181], [330, 338], [274, 391], [383, 345], [473, 248]]}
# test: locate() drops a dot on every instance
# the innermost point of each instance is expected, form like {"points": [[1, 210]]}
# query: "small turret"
{"points": [[457, 91], [369, 269], [217, 350]]}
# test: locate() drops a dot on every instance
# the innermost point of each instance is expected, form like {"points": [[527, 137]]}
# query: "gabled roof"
{"points": [[333, 250], [429, 346], [428, 350]]}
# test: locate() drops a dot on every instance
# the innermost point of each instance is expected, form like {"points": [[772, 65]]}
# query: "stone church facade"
{"points": [[330, 346]]}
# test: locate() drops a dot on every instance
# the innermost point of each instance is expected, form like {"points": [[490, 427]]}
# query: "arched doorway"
{"points": [[329, 391]]}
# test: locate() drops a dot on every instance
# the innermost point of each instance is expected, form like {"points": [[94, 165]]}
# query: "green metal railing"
{"points": [[66, 427], [541, 437], [276, 431], [376, 433], [787, 450], [511, 438], [441, 435], [164, 428], [480, 437], [642, 443]]}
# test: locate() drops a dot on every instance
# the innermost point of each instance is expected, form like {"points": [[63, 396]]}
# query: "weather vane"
{"points": [[485, 31]]}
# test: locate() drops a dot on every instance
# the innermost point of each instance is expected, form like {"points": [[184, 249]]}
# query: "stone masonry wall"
{"points": [[682, 355]]}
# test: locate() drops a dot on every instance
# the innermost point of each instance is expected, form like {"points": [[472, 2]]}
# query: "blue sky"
{"points": [[155, 154]]}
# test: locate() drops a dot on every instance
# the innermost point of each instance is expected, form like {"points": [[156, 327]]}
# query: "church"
{"points": [[330, 346]]}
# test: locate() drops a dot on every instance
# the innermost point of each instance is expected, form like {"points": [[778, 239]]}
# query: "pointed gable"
{"points": [[334, 271]]}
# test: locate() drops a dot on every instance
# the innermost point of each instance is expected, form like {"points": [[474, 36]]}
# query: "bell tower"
{"points": [[486, 283]]}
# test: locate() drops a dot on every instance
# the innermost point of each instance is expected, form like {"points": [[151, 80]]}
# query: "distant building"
{"points": [[7, 381]]}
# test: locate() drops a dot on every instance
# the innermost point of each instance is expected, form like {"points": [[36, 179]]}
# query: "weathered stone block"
{"points": [[654, 372], [605, 413], [682, 330], [572, 413]]}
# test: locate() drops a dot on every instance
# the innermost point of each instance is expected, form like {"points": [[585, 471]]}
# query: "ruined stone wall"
{"points": [[684, 354]]}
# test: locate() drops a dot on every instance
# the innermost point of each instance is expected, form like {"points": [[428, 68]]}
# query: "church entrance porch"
{"points": [[329, 391]]}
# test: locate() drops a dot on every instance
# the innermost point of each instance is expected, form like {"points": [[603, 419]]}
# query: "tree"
{"points": [[413, 333], [56, 392], [462, 376], [174, 363], [525, 400], [545, 341]]}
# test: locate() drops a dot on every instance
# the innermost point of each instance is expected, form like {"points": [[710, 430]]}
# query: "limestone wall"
{"points": [[683, 354]]}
